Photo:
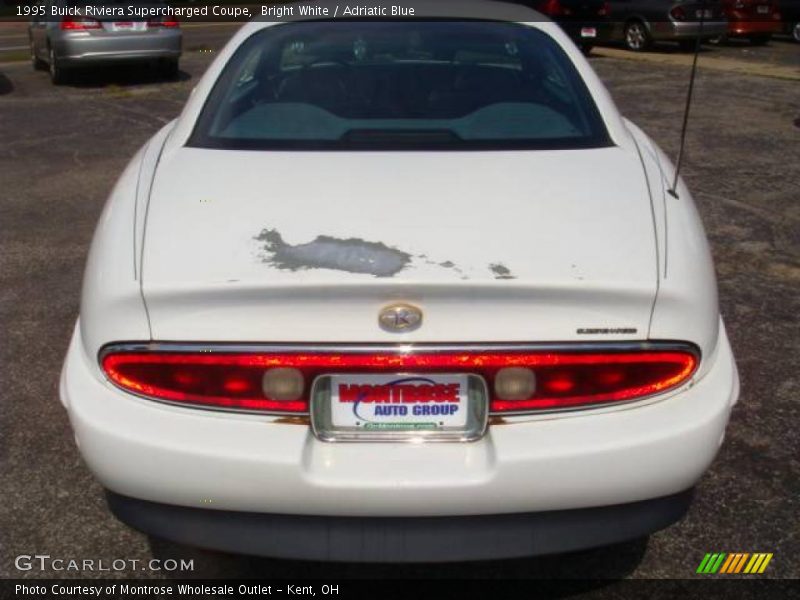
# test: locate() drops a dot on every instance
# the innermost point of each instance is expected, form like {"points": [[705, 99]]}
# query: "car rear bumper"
{"points": [[574, 28], [264, 464], [760, 27], [400, 539], [673, 30], [76, 51]]}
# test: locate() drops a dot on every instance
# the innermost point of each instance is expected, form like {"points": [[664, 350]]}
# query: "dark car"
{"points": [[639, 23], [585, 21], [790, 17]]}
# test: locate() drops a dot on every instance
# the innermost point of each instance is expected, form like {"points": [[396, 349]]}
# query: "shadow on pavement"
{"points": [[6, 87], [664, 47], [122, 76], [602, 564]]}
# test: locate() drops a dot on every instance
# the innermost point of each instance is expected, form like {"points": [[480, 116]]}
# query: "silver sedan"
{"points": [[61, 44]]}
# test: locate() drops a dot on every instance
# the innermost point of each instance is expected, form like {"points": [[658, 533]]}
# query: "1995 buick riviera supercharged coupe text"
{"points": [[401, 290]]}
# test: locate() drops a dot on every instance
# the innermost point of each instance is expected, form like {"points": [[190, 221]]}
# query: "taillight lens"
{"points": [[79, 23], [163, 22], [552, 8], [604, 10], [521, 381], [678, 13], [232, 381], [572, 380]]}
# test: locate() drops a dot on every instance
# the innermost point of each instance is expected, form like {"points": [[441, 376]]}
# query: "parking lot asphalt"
{"points": [[61, 150]]}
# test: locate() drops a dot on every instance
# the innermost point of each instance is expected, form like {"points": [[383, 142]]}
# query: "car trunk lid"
{"points": [[303, 246]]}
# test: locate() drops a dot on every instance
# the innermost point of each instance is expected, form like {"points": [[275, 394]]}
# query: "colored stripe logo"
{"points": [[734, 563]]}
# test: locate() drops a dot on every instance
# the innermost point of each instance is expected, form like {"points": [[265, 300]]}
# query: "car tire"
{"points": [[795, 31], [37, 63], [760, 40], [636, 36], [587, 49], [170, 69], [58, 74]]}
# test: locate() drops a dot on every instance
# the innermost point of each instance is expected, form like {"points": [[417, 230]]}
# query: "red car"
{"points": [[756, 20]]}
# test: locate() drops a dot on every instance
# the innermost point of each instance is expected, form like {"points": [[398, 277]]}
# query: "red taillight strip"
{"points": [[569, 377], [79, 23], [687, 367], [163, 22], [242, 398]]}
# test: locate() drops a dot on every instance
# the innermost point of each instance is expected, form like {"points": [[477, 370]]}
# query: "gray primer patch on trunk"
{"points": [[352, 255], [501, 271]]}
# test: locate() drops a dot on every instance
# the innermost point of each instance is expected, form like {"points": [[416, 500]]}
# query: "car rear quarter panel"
{"points": [[112, 307], [686, 305]]}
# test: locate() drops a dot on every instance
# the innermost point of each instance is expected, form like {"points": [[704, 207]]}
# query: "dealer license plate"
{"points": [[588, 32], [399, 406], [128, 26]]}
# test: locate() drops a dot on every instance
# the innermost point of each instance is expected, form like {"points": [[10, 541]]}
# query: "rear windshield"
{"points": [[399, 85]]}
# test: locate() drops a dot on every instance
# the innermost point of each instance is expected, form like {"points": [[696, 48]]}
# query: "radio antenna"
{"points": [[674, 189]]}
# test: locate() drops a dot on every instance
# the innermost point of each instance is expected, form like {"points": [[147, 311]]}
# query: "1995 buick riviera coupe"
{"points": [[400, 291]]}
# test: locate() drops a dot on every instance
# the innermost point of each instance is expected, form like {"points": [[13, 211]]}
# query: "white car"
{"points": [[400, 291]]}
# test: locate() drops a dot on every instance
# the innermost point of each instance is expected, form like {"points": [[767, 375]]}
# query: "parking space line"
{"points": [[728, 65]]}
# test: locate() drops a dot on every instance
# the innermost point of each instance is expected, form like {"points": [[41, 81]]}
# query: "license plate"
{"points": [[128, 25], [762, 9], [704, 14], [399, 406], [588, 32]]}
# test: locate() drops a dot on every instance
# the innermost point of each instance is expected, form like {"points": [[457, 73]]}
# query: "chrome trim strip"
{"points": [[398, 348]]}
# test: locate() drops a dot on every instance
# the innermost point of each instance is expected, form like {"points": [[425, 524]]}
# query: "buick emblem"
{"points": [[399, 318]]}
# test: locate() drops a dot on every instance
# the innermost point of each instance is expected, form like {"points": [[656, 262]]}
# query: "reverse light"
{"points": [[527, 379], [514, 383], [283, 384], [79, 23]]}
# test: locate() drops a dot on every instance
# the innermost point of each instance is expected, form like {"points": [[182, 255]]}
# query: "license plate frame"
{"points": [[331, 422]]}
